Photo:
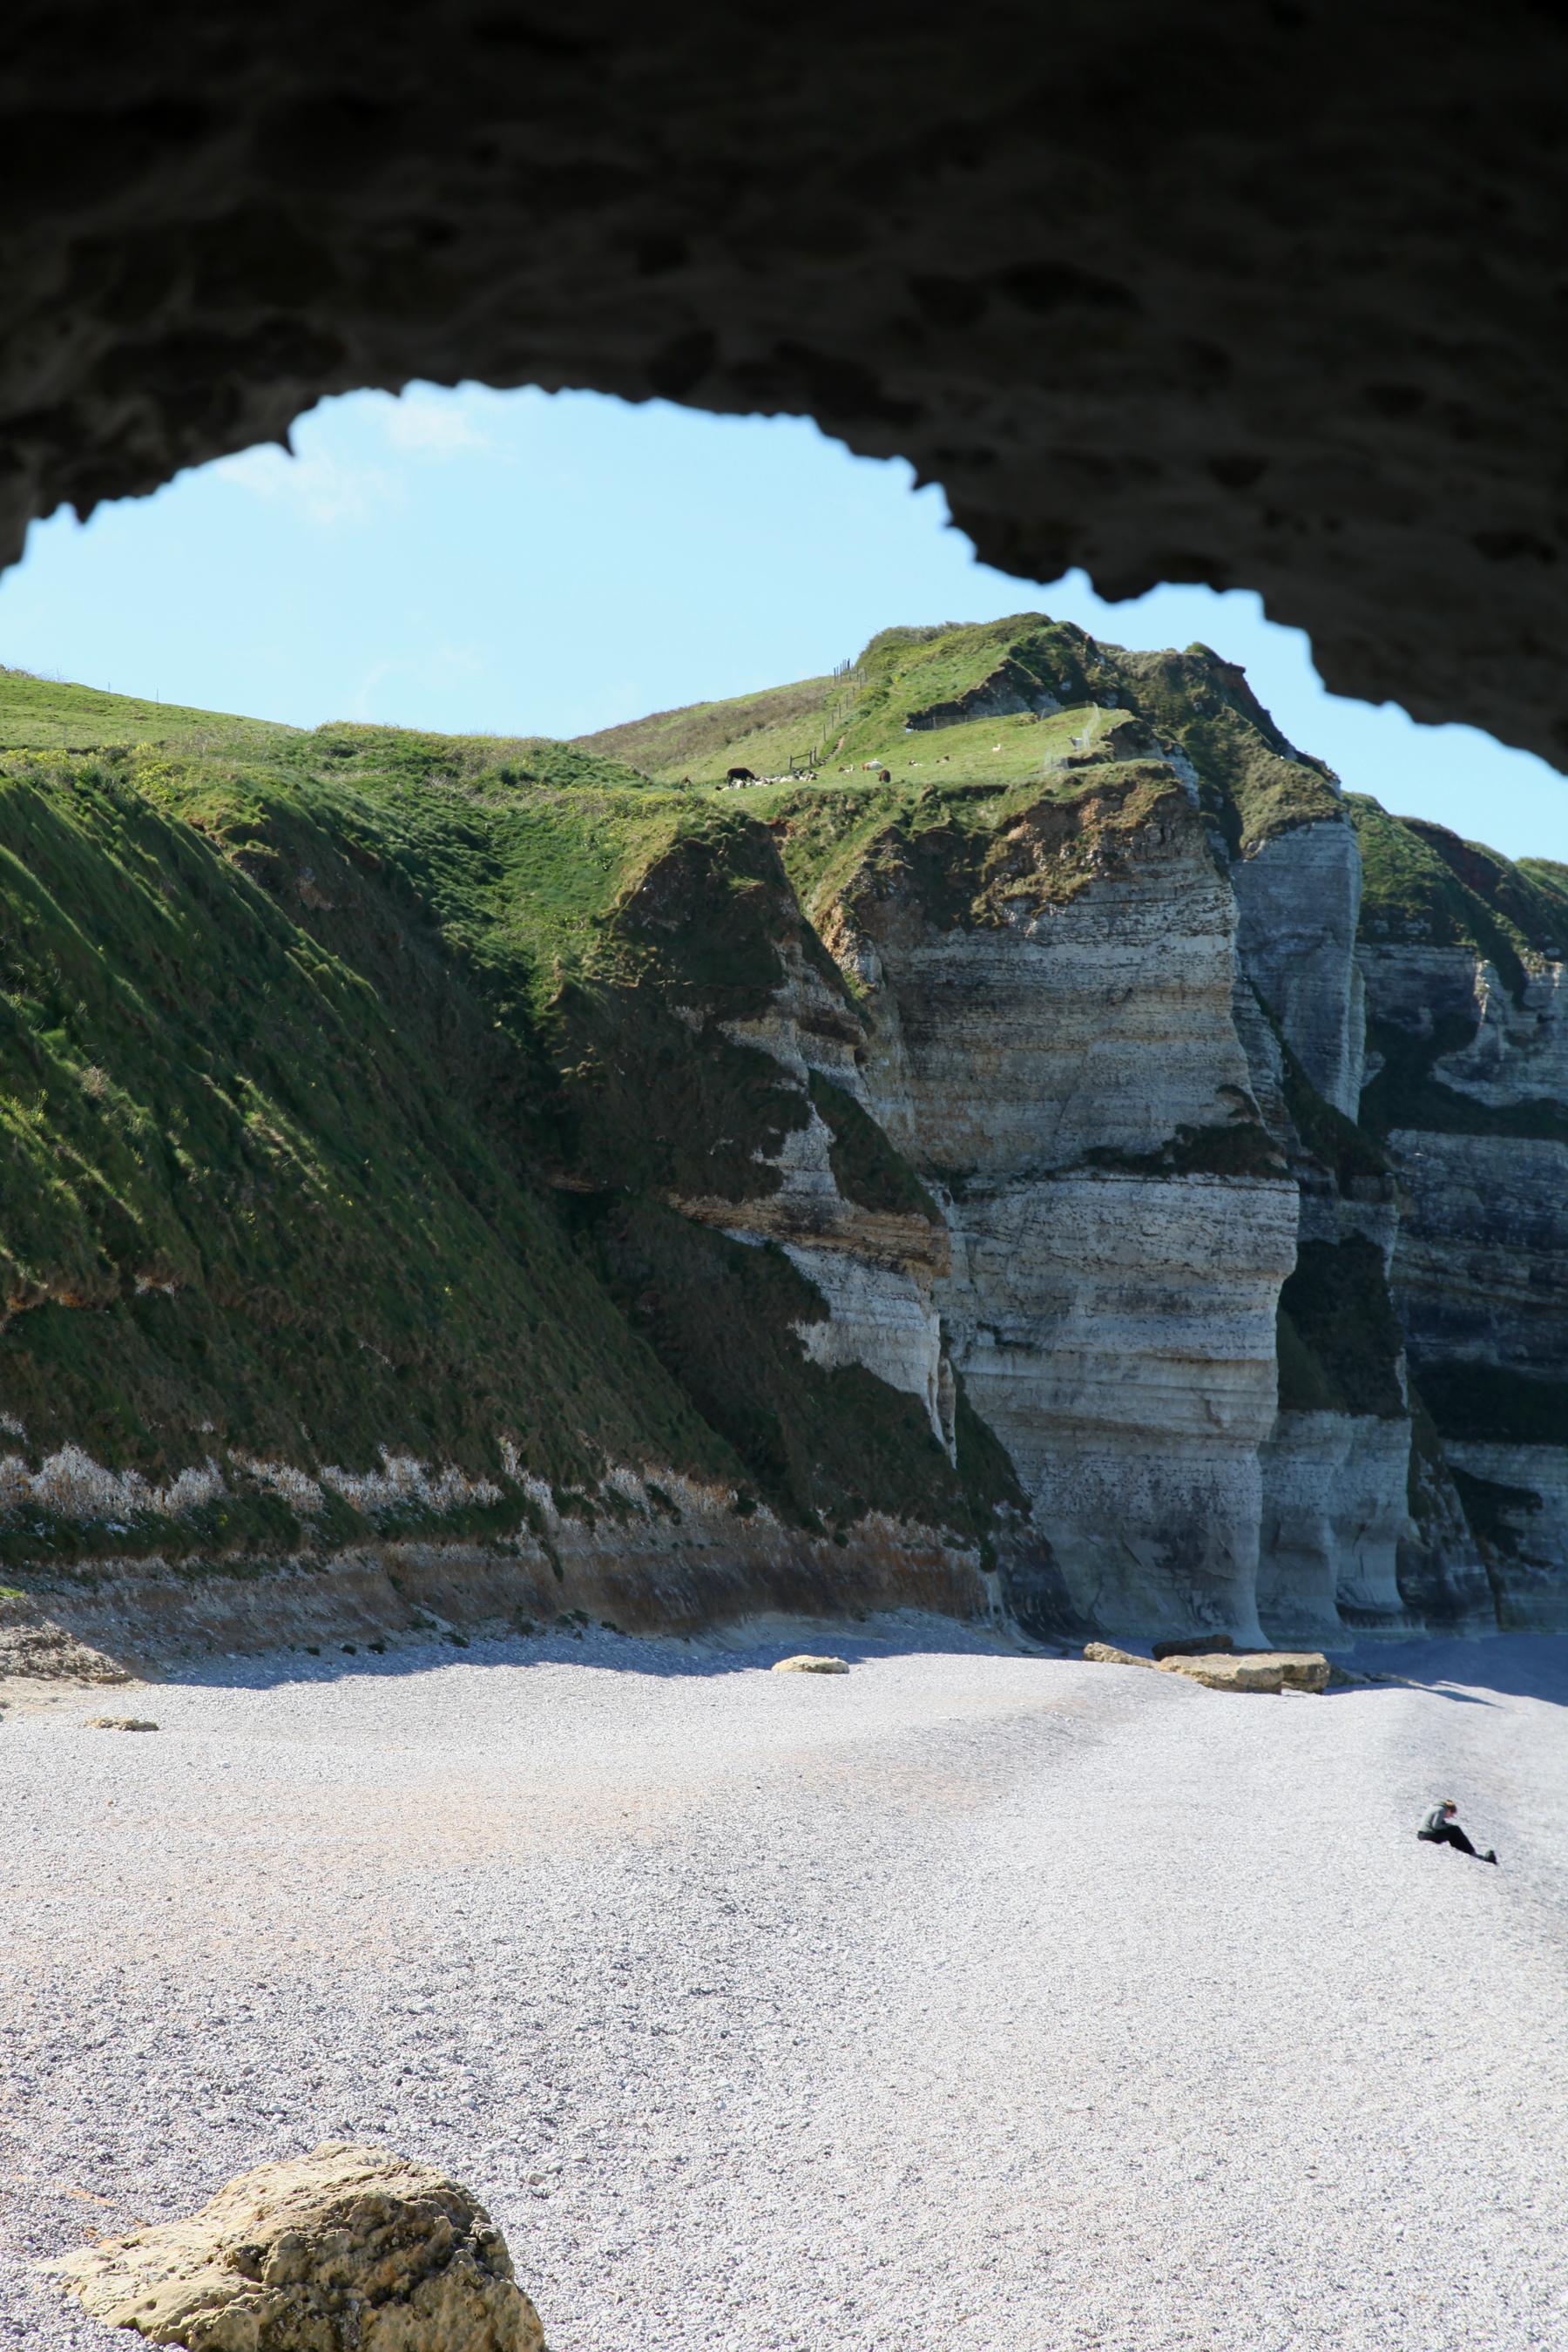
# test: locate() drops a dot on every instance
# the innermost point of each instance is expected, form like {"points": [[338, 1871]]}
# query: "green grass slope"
{"points": [[51, 715], [994, 704], [1422, 885], [271, 1168], [339, 1092], [762, 731]]}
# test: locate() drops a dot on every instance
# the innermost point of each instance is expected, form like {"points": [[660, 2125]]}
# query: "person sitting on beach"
{"points": [[1441, 1828]]}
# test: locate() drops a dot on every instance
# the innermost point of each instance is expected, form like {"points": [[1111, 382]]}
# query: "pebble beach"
{"points": [[974, 1997]]}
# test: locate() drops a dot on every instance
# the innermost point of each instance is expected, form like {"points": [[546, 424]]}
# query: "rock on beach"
{"points": [[806, 1664], [1104, 1653], [345, 2250], [1249, 1670], [1254, 1670]]}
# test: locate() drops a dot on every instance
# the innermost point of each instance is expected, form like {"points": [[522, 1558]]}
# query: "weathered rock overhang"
{"points": [[1265, 296]]}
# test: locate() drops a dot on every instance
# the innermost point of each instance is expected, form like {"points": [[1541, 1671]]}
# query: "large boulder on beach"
{"points": [[1254, 1670], [347, 2247], [1105, 1654], [806, 1664]]}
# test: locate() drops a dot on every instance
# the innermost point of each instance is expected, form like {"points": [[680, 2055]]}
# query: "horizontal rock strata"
{"points": [[1111, 1318], [680, 1565]]}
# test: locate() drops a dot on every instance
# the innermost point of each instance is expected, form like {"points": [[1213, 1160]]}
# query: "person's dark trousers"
{"points": [[1449, 1834]]}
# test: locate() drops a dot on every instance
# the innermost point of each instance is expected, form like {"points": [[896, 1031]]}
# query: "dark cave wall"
{"points": [[1260, 295]]}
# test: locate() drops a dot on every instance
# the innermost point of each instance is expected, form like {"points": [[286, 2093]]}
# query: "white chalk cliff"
{"points": [[1468, 1072], [1127, 1068], [1111, 1301], [1124, 1055]]}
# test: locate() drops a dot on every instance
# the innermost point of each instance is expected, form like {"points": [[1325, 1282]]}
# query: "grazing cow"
{"points": [[884, 775], [740, 776]]}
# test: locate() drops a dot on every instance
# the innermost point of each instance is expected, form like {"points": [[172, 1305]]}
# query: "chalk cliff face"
{"points": [[1056, 1055], [1335, 1465], [1055, 1152], [874, 1267], [1299, 900], [1467, 1082]]}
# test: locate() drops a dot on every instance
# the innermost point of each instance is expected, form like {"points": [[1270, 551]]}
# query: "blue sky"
{"points": [[521, 564]]}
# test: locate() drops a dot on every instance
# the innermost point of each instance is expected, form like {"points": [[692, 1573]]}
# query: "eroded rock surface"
{"points": [[346, 2250], [1299, 903], [874, 1267]]}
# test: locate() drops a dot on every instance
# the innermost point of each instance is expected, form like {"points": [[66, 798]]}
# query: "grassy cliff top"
{"points": [[391, 755], [993, 706], [837, 837], [41, 714], [531, 854], [1422, 885], [955, 695], [44, 714]]}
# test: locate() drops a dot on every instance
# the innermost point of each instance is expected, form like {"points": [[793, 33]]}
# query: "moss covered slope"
{"points": [[1424, 888], [271, 1161], [1422, 885], [305, 1062]]}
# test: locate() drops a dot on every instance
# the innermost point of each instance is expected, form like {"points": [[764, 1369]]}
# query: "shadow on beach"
{"points": [[1511, 1665], [742, 1648]]}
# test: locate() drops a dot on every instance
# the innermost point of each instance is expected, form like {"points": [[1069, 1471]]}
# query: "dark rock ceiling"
{"points": [[1269, 296]]}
